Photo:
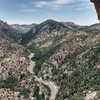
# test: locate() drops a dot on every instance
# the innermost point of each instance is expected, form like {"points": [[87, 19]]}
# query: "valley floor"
{"points": [[49, 84]]}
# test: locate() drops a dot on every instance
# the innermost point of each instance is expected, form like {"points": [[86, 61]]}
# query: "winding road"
{"points": [[32, 63], [50, 84]]}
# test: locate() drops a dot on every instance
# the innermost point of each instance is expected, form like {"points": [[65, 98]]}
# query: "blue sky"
{"points": [[81, 12]]}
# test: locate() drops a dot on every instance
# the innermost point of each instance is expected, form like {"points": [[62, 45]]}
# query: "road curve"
{"points": [[50, 84]]}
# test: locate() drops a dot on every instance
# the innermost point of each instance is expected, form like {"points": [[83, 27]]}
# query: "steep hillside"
{"points": [[13, 65], [67, 56], [16, 80], [65, 59]]}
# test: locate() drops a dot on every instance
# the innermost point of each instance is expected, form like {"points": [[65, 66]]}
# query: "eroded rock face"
{"points": [[97, 7], [55, 61], [7, 94], [13, 66], [95, 95], [12, 59]]}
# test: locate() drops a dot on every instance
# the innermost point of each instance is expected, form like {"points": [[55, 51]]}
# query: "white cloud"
{"points": [[24, 6], [54, 4], [58, 4], [28, 10], [41, 3], [80, 6]]}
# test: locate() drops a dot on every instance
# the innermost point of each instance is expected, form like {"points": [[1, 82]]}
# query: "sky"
{"points": [[81, 12]]}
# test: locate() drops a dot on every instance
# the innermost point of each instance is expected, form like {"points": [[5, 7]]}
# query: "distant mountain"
{"points": [[73, 25], [23, 28], [46, 28], [95, 28]]}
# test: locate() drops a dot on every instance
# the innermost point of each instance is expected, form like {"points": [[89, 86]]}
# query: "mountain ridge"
{"points": [[64, 53], [46, 25]]}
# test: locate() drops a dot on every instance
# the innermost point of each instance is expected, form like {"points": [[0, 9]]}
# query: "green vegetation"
{"points": [[78, 72], [85, 76], [41, 56], [77, 96], [37, 95], [48, 89], [25, 92], [36, 91], [9, 83]]}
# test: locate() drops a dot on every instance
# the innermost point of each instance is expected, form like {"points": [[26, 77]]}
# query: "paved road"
{"points": [[49, 84]]}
